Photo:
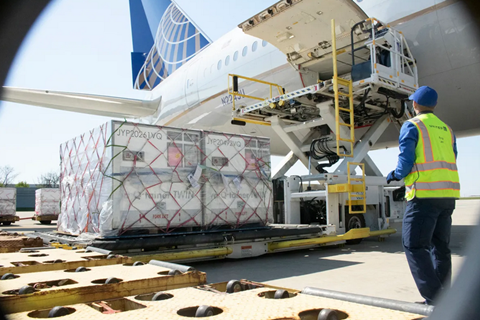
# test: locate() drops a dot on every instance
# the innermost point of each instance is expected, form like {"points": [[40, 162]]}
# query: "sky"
{"points": [[84, 46]]}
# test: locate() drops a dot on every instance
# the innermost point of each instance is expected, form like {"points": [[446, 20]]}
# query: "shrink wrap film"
{"points": [[8, 201], [47, 202]]}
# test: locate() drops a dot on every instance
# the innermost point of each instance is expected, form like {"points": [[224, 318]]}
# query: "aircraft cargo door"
{"points": [[301, 29], [191, 79]]}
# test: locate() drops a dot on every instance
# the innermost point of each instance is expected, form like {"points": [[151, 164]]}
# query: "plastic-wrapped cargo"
{"points": [[8, 201], [124, 178], [47, 202]]}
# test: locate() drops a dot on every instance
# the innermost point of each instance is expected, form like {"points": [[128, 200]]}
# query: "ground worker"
{"points": [[427, 161]]}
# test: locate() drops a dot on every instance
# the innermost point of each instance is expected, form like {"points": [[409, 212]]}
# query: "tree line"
{"points": [[46, 180]]}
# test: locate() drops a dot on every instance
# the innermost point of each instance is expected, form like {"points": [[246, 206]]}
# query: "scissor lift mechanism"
{"points": [[377, 88]]}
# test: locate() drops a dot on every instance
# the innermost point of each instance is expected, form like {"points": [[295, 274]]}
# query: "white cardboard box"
{"points": [[47, 201]]}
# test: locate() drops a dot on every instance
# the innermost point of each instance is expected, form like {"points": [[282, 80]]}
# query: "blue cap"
{"points": [[425, 96]]}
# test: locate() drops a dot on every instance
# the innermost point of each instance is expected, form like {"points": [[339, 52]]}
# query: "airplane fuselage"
{"points": [[440, 35]]}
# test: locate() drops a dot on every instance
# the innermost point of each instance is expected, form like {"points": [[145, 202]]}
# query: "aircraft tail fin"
{"points": [[164, 39]]}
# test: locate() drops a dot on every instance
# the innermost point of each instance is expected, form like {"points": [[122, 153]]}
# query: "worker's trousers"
{"points": [[426, 237]]}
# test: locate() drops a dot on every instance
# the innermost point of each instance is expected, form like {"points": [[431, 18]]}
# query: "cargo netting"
{"points": [[127, 178]]}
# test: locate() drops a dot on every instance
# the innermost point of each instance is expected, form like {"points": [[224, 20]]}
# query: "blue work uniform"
{"points": [[426, 225]]}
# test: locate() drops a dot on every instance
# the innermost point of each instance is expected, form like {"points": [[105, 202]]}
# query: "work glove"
{"points": [[391, 177]]}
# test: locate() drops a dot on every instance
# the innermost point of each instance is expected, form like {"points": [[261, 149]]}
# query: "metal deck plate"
{"points": [[48, 259], [68, 287], [237, 306]]}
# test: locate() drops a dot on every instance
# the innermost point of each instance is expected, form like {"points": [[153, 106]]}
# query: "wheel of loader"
{"points": [[46, 222], [81, 269], [58, 312], [281, 294], [234, 286], [8, 276], [327, 314], [354, 221], [204, 311]]}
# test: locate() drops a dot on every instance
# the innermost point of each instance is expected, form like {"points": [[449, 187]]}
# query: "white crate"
{"points": [[236, 194], [126, 177], [47, 201], [8, 201]]}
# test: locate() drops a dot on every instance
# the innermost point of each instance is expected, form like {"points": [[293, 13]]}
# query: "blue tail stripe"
{"points": [[142, 37]]}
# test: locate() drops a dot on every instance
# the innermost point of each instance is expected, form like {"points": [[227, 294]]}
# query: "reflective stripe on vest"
{"points": [[453, 137], [439, 185], [427, 145], [434, 165]]}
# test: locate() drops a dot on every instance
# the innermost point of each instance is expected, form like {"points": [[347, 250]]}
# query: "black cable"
{"points": [[319, 150], [300, 188], [362, 103]]}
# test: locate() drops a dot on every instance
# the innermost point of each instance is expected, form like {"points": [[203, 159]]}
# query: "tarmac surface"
{"points": [[371, 268]]}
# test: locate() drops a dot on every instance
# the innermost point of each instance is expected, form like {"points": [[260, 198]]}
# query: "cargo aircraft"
{"points": [[184, 74]]}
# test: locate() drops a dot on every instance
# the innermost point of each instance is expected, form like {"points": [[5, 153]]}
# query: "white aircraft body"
{"points": [[192, 92]]}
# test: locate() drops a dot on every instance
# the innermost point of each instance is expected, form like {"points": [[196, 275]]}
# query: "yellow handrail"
{"points": [[234, 94]]}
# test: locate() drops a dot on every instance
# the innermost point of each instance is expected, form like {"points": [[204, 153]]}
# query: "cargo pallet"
{"points": [[219, 244], [45, 219], [8, 220]]}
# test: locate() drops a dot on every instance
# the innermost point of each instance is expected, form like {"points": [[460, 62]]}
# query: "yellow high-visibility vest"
{"points": [[434, 173]]}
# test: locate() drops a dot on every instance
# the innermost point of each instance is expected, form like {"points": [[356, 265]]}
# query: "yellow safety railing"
{"points": [[233, 89], [353, 188], [358, 192], [346, 83]]}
